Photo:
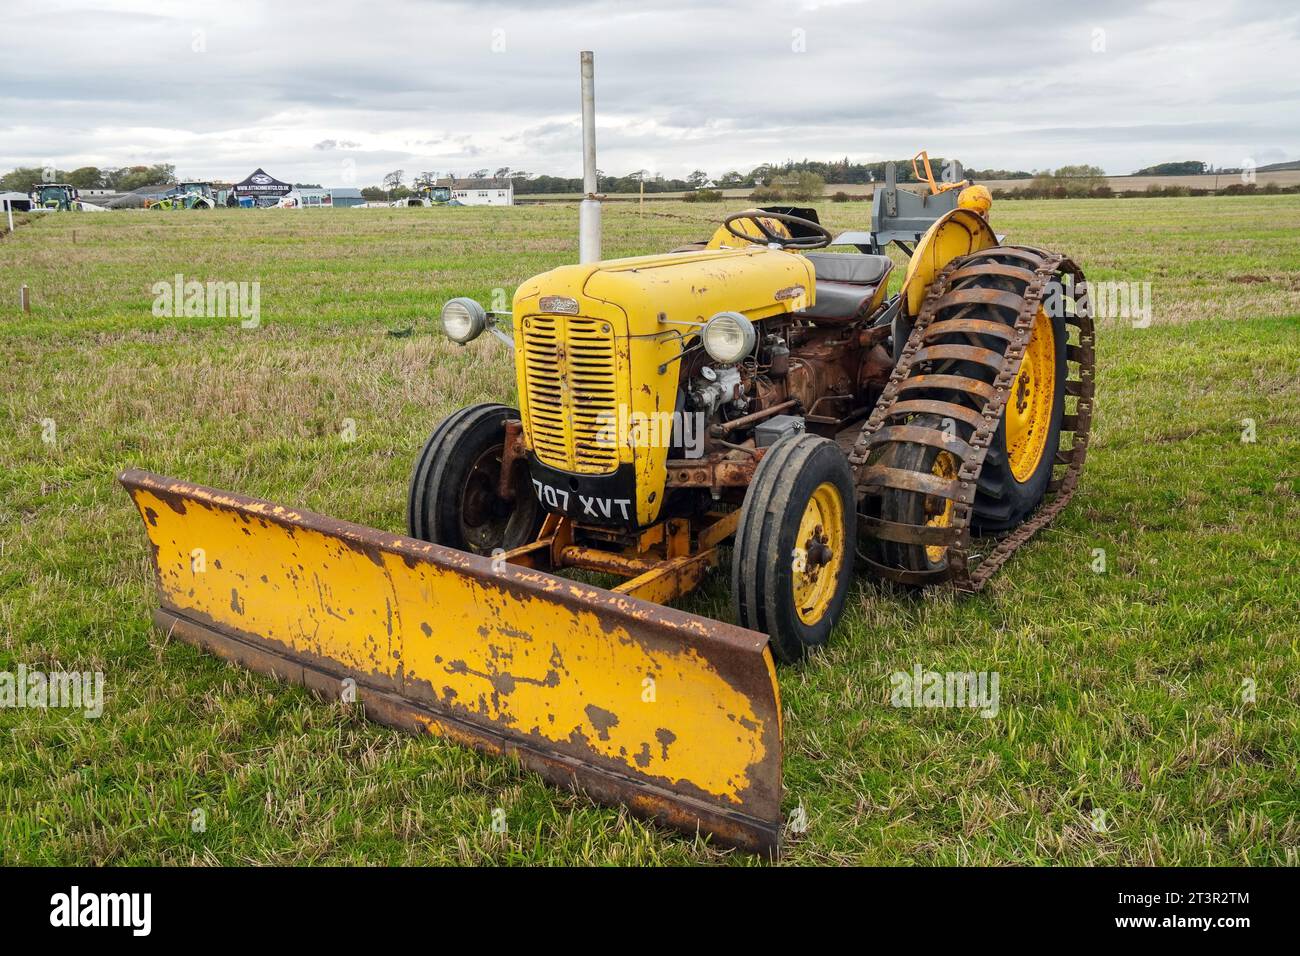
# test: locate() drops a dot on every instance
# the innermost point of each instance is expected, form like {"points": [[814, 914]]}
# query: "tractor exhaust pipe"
{"points": [[589, 208]]}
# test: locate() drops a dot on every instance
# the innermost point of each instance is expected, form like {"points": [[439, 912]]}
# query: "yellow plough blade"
{"points": [[629, 702]]}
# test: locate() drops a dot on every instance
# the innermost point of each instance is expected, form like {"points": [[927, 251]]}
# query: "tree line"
{"points": [[121, 179], [793, 179], [765, 175]]}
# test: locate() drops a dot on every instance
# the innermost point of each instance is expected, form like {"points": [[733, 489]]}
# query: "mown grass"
{"points": [[1121, 692]]}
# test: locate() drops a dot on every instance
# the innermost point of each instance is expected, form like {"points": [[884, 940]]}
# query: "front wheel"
{"points": [[792, 562], [454, 495]]}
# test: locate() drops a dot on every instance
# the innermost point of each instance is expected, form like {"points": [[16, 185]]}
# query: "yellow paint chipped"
{"points": [[516, 662]]}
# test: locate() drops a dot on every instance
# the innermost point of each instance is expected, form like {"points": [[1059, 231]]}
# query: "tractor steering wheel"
{"points": [[756, 216]]}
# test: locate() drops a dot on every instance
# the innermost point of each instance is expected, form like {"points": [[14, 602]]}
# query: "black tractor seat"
{"points": [[846, 283]]}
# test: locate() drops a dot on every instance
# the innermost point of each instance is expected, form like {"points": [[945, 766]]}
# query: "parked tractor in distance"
{"points": [[436, 195], [188, 195], [56, 197]]}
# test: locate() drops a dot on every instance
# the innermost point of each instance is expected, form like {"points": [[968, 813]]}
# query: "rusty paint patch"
{"points": [[665, 738], [603, 720]]}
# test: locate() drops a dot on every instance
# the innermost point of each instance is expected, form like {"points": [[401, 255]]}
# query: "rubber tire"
{"points": [[1002, 502], [433, 504], [762, 585]]}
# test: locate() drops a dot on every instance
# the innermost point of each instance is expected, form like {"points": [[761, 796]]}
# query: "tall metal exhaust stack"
{"points": [[589, 208]]}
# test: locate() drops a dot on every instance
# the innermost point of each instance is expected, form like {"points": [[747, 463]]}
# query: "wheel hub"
{"points": [[938, 509], [820, 541], [1029, 416], [484, 513]]}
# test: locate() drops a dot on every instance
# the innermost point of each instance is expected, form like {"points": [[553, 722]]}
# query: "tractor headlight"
{"points": [[728, 337], [463, 320]]}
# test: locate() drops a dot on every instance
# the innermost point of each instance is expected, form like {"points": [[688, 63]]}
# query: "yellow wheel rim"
{"points": [[1029, 408], [939, 510], [819, 553]]}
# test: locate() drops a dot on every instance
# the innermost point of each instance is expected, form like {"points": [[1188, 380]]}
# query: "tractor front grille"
{"points": [[570, 378]]}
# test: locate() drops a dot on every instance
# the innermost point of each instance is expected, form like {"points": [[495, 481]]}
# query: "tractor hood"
{"points": [[688, 287], [598, 343]]}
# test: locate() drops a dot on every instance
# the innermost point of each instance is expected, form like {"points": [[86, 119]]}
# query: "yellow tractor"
{"points": [[755, 395]]}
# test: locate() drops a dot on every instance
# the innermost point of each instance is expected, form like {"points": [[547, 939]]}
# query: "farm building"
{"points": [[304, 197], [347, 196], [18, 202], [480, 192]]}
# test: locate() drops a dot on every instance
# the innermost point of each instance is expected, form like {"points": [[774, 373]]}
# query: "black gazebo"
{"points": [[262, 186]]}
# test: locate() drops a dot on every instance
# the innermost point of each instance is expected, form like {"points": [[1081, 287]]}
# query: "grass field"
{"points": [[1127, 732]]}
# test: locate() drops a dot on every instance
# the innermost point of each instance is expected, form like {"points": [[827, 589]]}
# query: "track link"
{"points": [[912, 390]]}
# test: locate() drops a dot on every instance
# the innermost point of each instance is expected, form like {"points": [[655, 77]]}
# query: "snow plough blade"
{"points": [[673, 715]]}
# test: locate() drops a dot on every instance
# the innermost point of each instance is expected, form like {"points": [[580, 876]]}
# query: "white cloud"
{"points": [[221, 87]]}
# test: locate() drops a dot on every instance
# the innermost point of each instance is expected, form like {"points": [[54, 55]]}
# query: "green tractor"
{"points": [[434, 195], [56, 197], [189, 195]]}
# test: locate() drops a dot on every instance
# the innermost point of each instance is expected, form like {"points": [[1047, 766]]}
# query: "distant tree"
{"points": [[502, 173], [1080, 172], [984, 175], [697, 179], [479, 174], [806, 186], [128, 178], [1042, 182], [1190, 167], [373, 194], [21, 179], [393, 180], [87, 177], [731, 178], [426, 179], [1080, 180], [548, 184]]}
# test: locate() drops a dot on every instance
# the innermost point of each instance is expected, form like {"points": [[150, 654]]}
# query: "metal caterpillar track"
{"points": [[912, 389]]}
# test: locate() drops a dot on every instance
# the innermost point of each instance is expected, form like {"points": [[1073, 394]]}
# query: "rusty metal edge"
{"points": [[726, 644], [729, 829], [704, 633]]}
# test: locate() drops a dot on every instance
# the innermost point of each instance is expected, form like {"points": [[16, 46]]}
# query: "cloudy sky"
{"points": [[342, 92]]}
